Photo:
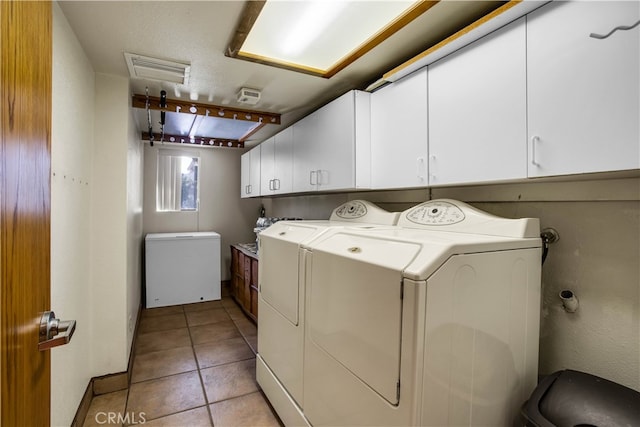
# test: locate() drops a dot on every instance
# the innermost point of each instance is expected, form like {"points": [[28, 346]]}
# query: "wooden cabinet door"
{"points": [[254, 288], [235, 271], [583, 101], [477, 111], [246, 288], [399, 133]]}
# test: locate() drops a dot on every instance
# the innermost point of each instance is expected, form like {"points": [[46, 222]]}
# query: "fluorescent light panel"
{"points": [[318, 34]]}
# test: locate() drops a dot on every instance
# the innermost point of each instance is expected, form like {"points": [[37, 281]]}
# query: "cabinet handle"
{"points": [[249, 189], [420, 168], [321, 175], [276, 183], [534, 142], [270, 184], [313, 174], [620, 27]]}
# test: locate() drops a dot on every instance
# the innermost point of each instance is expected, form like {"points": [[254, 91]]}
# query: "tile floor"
{"points": [[194, 365]]}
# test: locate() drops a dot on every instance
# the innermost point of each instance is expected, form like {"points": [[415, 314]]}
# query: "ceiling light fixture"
{"points": [[318, 37], [315, 18]]}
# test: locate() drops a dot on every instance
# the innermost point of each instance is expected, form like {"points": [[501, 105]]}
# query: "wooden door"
{"points": [[25, 111]]}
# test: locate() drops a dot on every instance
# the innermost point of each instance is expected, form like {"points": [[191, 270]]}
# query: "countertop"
{"points": [[250, 249]]}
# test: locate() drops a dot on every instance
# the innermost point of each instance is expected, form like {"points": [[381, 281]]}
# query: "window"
{"points": [[177, 183]]}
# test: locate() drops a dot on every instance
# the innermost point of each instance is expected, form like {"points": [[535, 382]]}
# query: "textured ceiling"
{"points": [[198, 32]]}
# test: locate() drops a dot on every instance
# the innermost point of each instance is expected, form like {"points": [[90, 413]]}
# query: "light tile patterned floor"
{"points": [[194, 366]]}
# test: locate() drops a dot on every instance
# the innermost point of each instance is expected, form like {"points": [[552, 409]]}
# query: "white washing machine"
{"points": [[434, 322], [281, 301]]}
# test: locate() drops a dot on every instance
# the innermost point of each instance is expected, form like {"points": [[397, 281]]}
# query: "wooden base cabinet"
{"points": [[244, 280]]}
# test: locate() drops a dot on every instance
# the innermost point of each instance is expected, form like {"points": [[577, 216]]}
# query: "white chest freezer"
{"points": [[182, 268]]}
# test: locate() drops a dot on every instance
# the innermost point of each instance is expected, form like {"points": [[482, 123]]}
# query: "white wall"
{"points": [[134, 190], [113, 216], [72, 185], [596, 257], [96, 221], [221, 209]]}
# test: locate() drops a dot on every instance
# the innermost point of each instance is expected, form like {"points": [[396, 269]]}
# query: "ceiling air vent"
{"points": [[145, 67], [249, 96]]}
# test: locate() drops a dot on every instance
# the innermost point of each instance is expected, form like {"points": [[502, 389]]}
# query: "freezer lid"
{"points": [[184, 235]]}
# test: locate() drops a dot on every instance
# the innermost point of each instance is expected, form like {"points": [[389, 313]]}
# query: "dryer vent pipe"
{"points": [[569, 301]]}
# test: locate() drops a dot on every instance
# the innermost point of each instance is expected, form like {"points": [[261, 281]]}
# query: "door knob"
{"points": [[54, 332]]}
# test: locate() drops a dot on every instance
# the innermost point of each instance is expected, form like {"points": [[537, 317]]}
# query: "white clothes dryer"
{"points": [[434, 322], [281, 301]]}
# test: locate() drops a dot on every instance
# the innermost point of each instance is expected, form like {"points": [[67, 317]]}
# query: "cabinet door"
{"points": [[245, 175], [254, 288], [267, 166], [583, 92], [246, 296], [305, 153], [399, 133], [255, 171], [235, 272], [283, 161], [250, 173], [477, 110], [336, 160]]}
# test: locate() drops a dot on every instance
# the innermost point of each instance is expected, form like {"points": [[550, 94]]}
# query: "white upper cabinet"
{"points": [[399, 133], [305, 150], [477, 111], [331, 149], [276, 164], [583, 92], [267, 166], [250, 173]]}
